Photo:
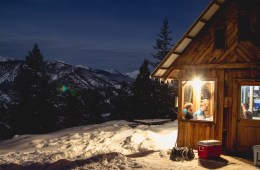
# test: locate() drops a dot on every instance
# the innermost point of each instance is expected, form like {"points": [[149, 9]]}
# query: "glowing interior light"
{"points": [[197, 83]]}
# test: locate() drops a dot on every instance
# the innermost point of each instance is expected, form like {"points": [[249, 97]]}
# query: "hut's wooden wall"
{"points": [[190, 132], [202, 50], [239, 60], [235, 134], [241, 134]]}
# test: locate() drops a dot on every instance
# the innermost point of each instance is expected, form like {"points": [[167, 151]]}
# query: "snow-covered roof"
{"points": [[187, 38]]}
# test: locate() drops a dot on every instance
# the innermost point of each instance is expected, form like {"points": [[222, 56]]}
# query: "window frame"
{"points": [[244, 82], [181, 101]]}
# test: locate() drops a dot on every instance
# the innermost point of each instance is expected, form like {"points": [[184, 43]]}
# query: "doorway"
{"points": [[248, 116]]}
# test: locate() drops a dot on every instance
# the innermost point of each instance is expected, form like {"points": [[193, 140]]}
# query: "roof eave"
{"points": [[186, 39]]}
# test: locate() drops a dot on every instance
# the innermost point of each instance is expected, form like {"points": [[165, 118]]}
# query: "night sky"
{"points": [[100, 34]]}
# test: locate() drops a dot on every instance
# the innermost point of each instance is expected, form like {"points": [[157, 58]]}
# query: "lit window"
{"points": [[198, 100], [250, 102]]}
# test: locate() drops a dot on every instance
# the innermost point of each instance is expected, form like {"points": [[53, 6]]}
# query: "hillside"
{"points": [[77, 77]]}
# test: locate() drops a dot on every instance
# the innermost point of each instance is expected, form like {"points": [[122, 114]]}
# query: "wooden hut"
{"points": [[217, 66]]}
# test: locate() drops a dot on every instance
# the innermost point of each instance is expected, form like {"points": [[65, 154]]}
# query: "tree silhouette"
{"points": [[34, 59], [143, 92], [151, 99], [34, 111], [163, 43], [121, 103]]}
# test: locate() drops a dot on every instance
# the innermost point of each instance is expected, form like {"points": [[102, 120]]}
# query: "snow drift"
{"points": [[110, 145], [84, 142]]}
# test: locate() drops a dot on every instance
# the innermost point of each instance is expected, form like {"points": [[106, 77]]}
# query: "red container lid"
{"points": [[209, 142]]}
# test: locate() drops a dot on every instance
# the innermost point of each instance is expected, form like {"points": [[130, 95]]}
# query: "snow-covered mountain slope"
{"points": [[133, 74], [8, 70], [83, 77], [3, 59], [77, 77], [5, 97]]}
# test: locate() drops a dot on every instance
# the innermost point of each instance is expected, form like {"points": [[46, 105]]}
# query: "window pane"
{"points": [[250, 102], [198, 100]]}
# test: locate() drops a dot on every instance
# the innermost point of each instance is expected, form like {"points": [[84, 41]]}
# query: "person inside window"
{"points": [[200, 113], [245, 114], [188, 109]]}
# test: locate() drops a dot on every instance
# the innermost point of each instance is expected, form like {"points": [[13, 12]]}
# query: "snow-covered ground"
{"points": [[110, 145]]}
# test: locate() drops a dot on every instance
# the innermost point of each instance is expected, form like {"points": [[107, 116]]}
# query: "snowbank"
{"points": [[87, 141], [111, 145]]}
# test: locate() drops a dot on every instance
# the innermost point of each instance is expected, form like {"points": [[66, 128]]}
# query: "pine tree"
{"points": [[163, 43], [34, 111], [120, 102], [34, 59], [165, 100], [71, 111], [142, 93], [95, 104], [151, 99]]}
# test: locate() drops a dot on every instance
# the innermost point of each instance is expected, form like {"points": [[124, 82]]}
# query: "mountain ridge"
{"points": [[74, 76]]}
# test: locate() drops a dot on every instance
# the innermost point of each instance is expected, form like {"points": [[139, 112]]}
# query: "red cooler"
{"points": [[209, 149]]}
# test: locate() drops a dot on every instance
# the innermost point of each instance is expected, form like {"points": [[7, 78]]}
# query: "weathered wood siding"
{"points": [[241, 133], [202, 51], [239, 60], [190, 132], [227, 128]]}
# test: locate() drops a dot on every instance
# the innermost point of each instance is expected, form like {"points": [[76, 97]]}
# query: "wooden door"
{"points": [[248, 129], [248, 135]]}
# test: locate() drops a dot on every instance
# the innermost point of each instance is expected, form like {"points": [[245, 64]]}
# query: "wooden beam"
{"points": [[176, 53], [189, 37], [164, 68], [218, 3], [223, 66], [169, 71], [210, 66], [203, 20]]}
